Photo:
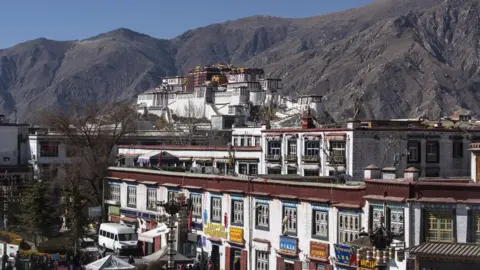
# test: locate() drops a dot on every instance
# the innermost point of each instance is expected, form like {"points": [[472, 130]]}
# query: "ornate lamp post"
{"points": [[382, 251], [172, 207]]}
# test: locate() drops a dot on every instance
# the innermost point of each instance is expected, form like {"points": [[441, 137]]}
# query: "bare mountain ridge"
{"points": [[404, 58]]}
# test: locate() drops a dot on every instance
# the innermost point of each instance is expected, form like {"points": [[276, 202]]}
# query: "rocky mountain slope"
{"points": [[403, 58]]}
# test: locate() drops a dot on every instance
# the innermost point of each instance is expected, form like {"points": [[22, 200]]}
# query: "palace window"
{"points": [[262, 215], [457, 148], [312, 148], [151, 198], [114, 190], [262, 260], [348, 226], [252, 169], [49, 149], [292, 147], [237, 212], [275, 148], [433, 152], [216, 212], [320, 224], [242, 168], [289, 220], [413, 152], [132, 196], [337, 152], [439, 227], [196, 205]]}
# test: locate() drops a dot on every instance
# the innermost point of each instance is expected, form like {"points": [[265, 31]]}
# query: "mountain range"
{"points": [[400, 58]]}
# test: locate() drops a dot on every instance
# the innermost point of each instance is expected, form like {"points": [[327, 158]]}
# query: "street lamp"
{"points": [[172, 207], [382, 252]]}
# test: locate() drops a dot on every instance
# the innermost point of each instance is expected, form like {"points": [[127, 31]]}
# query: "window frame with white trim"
{"points": [[197, 207], [152, 198], [320, 219], [262, 215], [345, 219], [237, 211], [132, 196], [215, 208], [291, 226]]}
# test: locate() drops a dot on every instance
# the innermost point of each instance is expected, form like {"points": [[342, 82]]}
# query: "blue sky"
{"points": [[23, 20]]}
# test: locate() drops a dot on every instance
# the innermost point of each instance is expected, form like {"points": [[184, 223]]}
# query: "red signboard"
{"points": [[319, 251]]}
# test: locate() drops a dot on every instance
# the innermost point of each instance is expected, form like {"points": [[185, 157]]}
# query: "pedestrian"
{"points": [[4, 260], [10, 266], [131, 260]]}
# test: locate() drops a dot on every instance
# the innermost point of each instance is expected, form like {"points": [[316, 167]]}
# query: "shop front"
{"points": [[216, 234], [318, 256], [345, 258], [235, 255], [142, 222], [288, 254], [114, 214], [153, 238]]}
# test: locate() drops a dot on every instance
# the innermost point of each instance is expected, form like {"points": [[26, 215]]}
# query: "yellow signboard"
{"points": [[236, 235], [364, 264], [215, 230]]}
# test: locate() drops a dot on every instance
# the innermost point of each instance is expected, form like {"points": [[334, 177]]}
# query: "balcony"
{"points": [[311, 158], [336, 160], [291, 158], [475, 146], [275, 158]]}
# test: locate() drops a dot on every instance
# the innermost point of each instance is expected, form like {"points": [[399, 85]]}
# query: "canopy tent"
{"points": [[109, 262], [149, 235], [162, 256], [145, 158]]}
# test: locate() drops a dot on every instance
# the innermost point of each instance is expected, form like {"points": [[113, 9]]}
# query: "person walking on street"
{"points": [[4, 260], [131, 260]]}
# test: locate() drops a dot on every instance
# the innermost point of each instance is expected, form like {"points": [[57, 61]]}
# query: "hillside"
{"points": [[404, 58]]}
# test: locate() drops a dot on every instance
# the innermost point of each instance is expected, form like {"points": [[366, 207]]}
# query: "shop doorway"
{"points": [[288, 266], [235, 259], [215, 257]]}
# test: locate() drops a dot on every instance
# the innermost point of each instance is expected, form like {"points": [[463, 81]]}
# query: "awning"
{"points": [[129, 219], [149, 235], [145, 158], [451, 251]]}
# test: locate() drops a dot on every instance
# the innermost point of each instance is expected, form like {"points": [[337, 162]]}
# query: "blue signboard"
{"points": [[197, 226], [288, 245], [131, 213], [343, 253]]}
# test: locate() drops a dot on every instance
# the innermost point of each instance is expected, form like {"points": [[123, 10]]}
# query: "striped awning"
{"points": [[451, 251]]}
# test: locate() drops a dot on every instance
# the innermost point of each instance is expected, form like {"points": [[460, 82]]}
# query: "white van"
{"points": [[117, 237]]}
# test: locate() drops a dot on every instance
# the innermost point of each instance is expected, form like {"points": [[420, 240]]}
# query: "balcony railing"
{"points": [[273, 157], [291, 157], [311, 158]]}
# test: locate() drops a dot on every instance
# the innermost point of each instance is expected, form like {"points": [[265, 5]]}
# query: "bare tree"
{"points": [[92, 132]]}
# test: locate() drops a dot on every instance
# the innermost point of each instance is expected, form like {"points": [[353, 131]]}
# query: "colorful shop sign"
{"points": [[344, 253], [319, 251], [215, 230], [288, 245], [364, 264], [236, 235]]}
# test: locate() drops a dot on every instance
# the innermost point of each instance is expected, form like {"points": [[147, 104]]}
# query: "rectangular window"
{"points": [[377, 217], [274, 171], [235, 142], [311, 172], [413, 152], [171, 195], [151, 198], [433, 152], [262, 215], [242, 168], [249, 142], [439, 227], [252, 169], [396, 220], [292, 147], [237, 212], [132, 196], [257, 141], [275, 148], [291, 171], [242, 141], [457, 148], [262, 260], [216, 210], [114, 192], [312, 148], [48, 149], [289, 220], [348, 226], [337, 152], [320, 224], [196, 205]]}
